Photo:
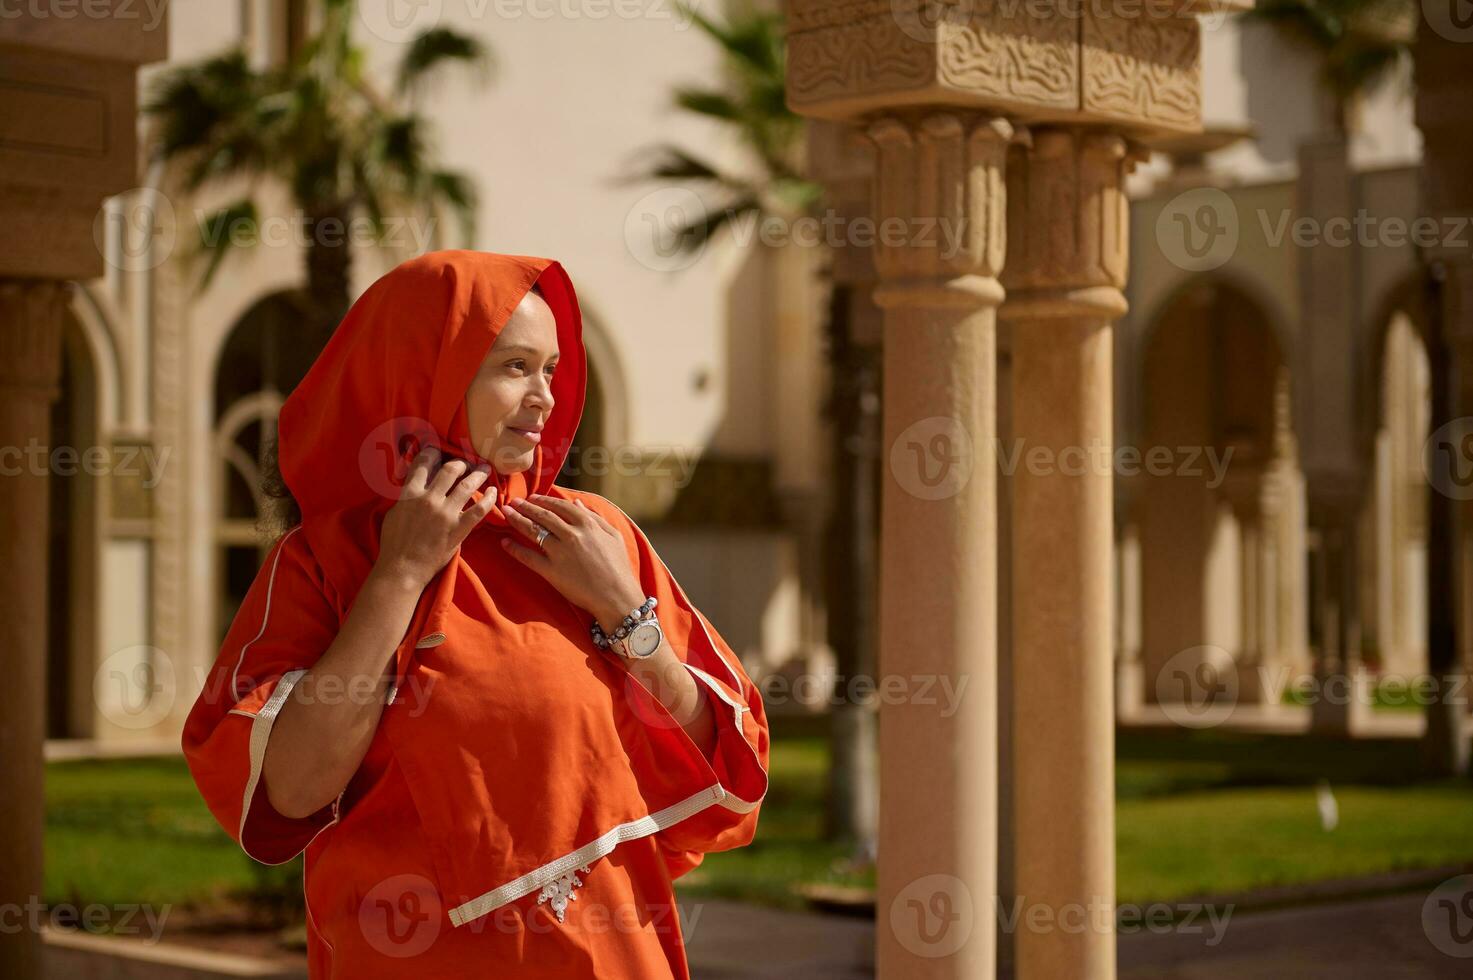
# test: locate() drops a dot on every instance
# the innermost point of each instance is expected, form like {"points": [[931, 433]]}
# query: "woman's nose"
{"points": [[543, 393]]}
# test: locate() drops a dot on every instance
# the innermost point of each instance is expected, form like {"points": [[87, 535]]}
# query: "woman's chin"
{"points": [[513, 459]]}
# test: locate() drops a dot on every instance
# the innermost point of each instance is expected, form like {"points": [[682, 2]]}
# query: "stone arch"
{"points": [[1220, 543], [1394, 377]]}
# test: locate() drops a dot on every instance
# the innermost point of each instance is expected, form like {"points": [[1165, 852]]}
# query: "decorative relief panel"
{"points": [[1144, 70], [845, 58], [1024, 58], [1042, 60]]}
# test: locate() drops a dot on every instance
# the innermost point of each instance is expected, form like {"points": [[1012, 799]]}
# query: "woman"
{"points": [[478, 700]]}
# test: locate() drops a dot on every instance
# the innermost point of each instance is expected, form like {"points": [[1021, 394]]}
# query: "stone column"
{"points": [[1254, 500], [1338, 685], [1065, 272], [938, 174], [934, 88], [1443, 74], [31, 317]]}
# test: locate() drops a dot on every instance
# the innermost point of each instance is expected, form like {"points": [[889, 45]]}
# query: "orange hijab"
{"points": [[393, 378], [527, 750]]}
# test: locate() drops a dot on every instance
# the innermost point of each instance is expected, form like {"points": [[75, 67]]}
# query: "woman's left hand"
{"points": [[583, 556]]}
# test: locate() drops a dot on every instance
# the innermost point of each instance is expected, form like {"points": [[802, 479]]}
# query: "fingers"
{"points": [[598, 518], [468, 485], [445, 478], [566, 509], [475, 513], [549, 519], [523, 523], [419, 472], [531, 557]]}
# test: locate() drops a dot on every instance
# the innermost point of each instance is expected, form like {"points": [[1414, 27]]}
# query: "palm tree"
{"points": [[752, 106], [343, 149], [1359, 43]]}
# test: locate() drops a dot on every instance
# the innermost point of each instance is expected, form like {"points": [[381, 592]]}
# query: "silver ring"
{"points": [[542, 533]]}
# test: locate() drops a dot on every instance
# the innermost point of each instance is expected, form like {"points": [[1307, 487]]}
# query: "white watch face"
{"points": [[645, 640]]}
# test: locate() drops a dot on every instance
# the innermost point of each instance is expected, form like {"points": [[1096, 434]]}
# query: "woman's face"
{"points": [[510, 398]]}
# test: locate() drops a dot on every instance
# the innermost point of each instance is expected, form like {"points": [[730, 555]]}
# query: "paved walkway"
{"points": [[1371, 939]]}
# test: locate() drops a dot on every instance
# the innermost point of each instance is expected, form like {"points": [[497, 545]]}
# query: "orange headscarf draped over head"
{"points": [[393, 378]]}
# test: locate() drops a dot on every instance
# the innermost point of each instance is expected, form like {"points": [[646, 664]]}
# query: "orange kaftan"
{"points": [[525, 804]]}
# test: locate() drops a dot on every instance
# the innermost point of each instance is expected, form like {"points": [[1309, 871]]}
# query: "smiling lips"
{"points": [[531, 435]]}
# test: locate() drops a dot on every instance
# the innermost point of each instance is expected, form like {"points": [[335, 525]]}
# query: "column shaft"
{"points": [[30, 356], [1064, 276], [940, 176]]}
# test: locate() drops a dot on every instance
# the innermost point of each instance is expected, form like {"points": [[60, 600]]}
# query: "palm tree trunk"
{"points": [[329, 267]]}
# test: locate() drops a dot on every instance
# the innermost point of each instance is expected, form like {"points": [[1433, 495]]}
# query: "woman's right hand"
{"points": [[430, 519]]}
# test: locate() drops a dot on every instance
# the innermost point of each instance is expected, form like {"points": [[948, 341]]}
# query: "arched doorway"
{"points": [[1394, 523], [1221, 512], [264, 357]]}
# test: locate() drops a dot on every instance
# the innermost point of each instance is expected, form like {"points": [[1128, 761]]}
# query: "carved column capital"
{"points": [[1070, 223], [940, 206], [31, 312]]}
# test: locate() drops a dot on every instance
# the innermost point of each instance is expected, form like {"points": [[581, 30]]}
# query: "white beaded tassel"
{"points": [[560, 890]]}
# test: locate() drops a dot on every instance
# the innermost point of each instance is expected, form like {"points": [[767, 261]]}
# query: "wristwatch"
{"points": [[642, 641]]}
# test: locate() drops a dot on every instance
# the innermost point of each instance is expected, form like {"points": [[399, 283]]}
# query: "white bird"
{"points": [[1329, 809]]}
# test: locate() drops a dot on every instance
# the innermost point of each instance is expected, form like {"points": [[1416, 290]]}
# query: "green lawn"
{"points": [[1198, 812]]}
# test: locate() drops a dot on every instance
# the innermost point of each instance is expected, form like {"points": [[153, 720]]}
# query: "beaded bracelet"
{"points": [[630, 621]]}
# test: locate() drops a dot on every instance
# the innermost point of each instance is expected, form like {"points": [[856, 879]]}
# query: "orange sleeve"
{"points": [[285, 624], [739, 762]]}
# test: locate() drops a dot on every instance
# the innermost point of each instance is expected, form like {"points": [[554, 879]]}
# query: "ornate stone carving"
{"points": [[1144, 71], [1033, 62], [1070, 220], [839, 63], [940, 196]]}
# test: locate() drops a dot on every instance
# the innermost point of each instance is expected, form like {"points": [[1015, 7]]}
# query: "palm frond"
{"points": [[436, 47], [456, 191], [704, 102], [221, 231]]}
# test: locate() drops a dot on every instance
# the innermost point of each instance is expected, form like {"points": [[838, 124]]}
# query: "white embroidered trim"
{"points": [[731, 801], [261, 724], [265, 617], [554, 870], [560, 890], [633, 830]]}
